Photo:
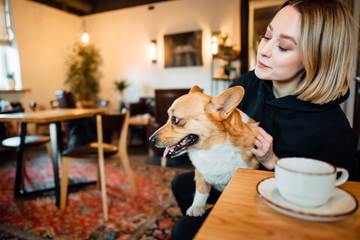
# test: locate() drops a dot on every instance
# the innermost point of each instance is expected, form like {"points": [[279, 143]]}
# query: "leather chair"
{"points": [[145, 105], [163, 100], [78, 131], [66, 99]]}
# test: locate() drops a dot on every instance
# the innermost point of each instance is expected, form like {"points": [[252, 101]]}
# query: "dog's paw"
{"points": [[195, 211]]}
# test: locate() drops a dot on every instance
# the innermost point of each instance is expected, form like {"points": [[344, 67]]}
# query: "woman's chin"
{"points": [[260, 73]]}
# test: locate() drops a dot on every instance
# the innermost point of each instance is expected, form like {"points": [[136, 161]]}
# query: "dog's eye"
{"points": [[174, 120]]}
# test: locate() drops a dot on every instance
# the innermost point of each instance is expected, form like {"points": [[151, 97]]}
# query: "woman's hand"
{"points": [[263, 149]]}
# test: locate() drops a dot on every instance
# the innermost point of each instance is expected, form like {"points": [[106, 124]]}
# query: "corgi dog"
{"points": [[216, 135]]}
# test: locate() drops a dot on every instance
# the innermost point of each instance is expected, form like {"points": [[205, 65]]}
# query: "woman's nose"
{"points": [[265, 48]]}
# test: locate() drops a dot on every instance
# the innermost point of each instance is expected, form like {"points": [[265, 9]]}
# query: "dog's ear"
{"points": [[223, 104], [195, 89]]}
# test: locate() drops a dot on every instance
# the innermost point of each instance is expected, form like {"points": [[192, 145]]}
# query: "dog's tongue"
{"points": [[167, 150]]}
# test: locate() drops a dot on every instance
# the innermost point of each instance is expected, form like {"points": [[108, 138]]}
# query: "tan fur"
{"points": [[206, 118], [216, 120], [201, 185]]}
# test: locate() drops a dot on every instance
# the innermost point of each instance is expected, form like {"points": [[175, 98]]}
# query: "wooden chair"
{"points": [[163, 100], [111, 123]]}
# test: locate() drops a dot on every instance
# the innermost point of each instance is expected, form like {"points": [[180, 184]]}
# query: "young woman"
{"points": [[304, 62]]}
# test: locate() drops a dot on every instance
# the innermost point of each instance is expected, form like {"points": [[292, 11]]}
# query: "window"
{"points": [[9, 57]]}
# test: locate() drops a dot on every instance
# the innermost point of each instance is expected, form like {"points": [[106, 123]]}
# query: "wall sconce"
{"points": [[85, 36], [214, 42], [152, 51]]}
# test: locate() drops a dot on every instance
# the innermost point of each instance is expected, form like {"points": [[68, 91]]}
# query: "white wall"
{"points": [[45, 37]]}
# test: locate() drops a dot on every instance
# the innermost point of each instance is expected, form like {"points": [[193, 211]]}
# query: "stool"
{"points": [[31, 140], [14, 142]]}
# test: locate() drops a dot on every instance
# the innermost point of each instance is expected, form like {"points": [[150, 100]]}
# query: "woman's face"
{"points": [[278, 56]]}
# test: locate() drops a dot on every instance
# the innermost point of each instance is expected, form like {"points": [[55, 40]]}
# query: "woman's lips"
{"points": [[261, 65]]}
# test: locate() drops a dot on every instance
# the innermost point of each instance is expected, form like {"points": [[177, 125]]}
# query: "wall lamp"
{"points": [[215, 42], [152, 51]]}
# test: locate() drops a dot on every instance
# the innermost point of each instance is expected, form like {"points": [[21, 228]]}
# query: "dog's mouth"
{"points": [[180, 147]]}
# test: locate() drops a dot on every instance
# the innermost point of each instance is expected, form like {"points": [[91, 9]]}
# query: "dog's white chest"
{"points": [[218, 164]]}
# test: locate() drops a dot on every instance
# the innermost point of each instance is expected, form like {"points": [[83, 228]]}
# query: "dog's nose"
{"points": [[152, 138]]}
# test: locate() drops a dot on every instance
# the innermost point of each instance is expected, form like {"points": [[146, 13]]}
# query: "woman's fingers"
{"points": [[263, 141], [264, 135], [263, 150]]}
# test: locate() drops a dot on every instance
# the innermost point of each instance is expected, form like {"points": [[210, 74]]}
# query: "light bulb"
{"points": [[214, 48], [85, 37], [152, 51]]}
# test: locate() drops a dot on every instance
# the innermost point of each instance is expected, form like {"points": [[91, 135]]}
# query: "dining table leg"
{"points": [[20, 162], [56, 158]]}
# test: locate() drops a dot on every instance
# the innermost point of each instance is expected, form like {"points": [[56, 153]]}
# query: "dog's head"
{"points": [[195, 121]]}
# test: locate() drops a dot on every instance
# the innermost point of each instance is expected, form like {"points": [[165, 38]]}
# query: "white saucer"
{"points": [[339, 205]]}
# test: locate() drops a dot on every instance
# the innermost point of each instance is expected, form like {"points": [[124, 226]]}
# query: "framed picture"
{"points": [[183, 49], [260, 15]]}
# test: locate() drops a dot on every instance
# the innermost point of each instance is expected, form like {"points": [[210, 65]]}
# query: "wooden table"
{"points": [[241, 214], [53, 118], [138, 123]]}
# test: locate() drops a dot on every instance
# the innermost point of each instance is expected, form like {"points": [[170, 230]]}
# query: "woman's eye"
{"points": [[174, 120], [266, 37], [282, 49]]}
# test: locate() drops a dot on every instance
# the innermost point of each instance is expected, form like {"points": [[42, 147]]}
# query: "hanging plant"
{"points": [[83, 75]]}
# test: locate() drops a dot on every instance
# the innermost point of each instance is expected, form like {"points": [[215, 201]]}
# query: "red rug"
{"points": [[150, 215]]}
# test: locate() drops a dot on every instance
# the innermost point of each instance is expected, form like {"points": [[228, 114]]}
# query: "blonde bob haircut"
{"points": [[327, 49]]}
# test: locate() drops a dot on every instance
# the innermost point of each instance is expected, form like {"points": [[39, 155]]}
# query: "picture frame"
{"points": [[183, 49]]}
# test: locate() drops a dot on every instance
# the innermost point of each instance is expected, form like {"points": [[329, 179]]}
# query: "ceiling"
{"points": [[86, 7]]}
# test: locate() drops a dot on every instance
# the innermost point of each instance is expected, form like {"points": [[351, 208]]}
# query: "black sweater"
{"points": [[300, 128]]}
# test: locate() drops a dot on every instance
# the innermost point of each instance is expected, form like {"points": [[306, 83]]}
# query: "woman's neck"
{"points": [[281, 89], [284, 88]]}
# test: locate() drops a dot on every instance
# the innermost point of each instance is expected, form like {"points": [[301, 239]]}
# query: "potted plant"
{"points": [[83, 75], [228, 53], [224, 49], [11, 79], [121, 85]]}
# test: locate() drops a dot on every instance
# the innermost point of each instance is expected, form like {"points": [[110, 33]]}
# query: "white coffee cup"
{"points": [[307, 182]]}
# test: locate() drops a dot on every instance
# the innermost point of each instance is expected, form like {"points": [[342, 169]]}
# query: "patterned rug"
{"points": [[150, 215]]}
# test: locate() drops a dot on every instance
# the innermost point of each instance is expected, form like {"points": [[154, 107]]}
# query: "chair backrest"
{"points": [[144, 105], [137, 107], [114, 131], [77, 131], [163, 100], [66, 99], [111, 124], [115, 123]]}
